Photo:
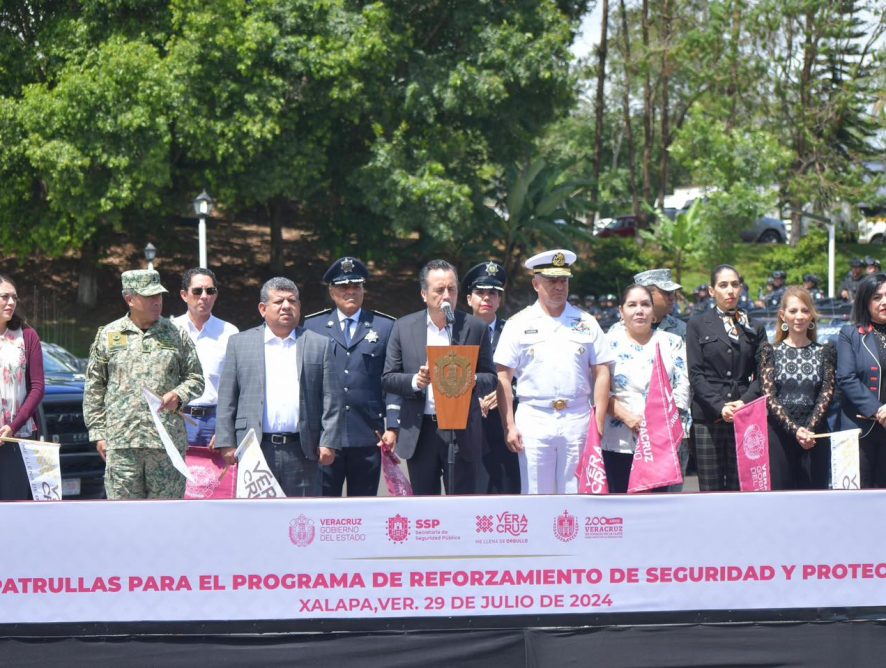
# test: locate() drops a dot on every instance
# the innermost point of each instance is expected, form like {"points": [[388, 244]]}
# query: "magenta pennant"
{"points": [[752, 447], [395, 479], [590, 472], [657, 455]]}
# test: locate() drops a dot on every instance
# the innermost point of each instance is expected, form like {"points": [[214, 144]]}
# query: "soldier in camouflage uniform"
{"points": [[140, 349]]}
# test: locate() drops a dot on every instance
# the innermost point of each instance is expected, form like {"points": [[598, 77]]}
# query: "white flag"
{"points": [[174, 455], [44, 472], [254, 477], [844, 460]]}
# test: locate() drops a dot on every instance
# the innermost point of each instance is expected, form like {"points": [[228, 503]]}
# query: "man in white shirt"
{"points": [[210, 335], [558, 354], [278, 379]]}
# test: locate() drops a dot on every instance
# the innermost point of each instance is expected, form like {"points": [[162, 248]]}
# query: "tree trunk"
{"points": [[666, 21], [626, 110], [598, 104], [277, 213], [87, 283], [648, 112]]}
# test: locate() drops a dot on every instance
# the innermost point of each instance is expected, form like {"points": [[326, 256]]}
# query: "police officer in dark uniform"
{"points": [[484, 286], [773, 299], [360, 339]]}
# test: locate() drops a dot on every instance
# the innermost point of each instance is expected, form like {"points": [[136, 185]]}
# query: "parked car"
{"points": [[872, 226], [621, 226], [60, 420], [765, 230]]}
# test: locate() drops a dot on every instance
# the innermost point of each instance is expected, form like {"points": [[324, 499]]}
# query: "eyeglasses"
{"points": [[199, 291], [8, 297]]}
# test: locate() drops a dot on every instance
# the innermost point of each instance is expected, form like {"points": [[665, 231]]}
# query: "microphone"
{"points": [[447, 311]]}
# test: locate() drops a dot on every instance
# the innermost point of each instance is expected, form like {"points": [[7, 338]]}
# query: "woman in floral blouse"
{"points": [[21, 390], [633, 347]]}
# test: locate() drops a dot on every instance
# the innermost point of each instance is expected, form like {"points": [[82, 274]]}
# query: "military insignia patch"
{"points": [[372, 336], [116, 340], [559, 260]]}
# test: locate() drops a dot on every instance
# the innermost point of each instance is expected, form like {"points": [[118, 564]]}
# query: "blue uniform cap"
{"points": [[346, 270]]}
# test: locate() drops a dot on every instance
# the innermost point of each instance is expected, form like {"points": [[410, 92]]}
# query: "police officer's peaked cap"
{"points": [[346, 270], [485, 276]]}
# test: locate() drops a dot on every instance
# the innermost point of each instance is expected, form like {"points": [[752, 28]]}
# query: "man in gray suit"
{"points": [[278, 380]]}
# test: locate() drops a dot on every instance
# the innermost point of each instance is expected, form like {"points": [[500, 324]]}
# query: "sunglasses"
{"points": [[199, 291]]}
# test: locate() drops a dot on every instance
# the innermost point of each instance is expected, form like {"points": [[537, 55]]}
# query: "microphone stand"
{"points": [[453, 443]]}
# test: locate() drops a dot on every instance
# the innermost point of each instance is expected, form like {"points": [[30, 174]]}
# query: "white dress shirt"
{"points": [[436, 337], [211, 343], [281, 384]]}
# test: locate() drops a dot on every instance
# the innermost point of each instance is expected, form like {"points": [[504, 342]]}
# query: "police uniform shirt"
{"points": [[552, 357]]}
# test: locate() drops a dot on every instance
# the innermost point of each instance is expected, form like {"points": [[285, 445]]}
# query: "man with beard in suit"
{"points": [[428, 449]]}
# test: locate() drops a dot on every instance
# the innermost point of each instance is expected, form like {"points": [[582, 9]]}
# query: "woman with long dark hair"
{"points": [[21, 390], [797, 376], [861, 356], [721, 347]]}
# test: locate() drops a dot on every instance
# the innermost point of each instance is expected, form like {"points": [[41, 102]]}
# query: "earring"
{"points": [[784, 327], [812, 324]]}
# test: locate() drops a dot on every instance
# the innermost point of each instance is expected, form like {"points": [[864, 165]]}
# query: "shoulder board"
{"points": [[383, 315], [323, 312]]}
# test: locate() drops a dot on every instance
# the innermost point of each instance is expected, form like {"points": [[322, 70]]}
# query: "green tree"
{"points": [[684, 241]]}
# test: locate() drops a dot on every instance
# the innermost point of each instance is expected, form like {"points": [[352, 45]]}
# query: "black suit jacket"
{"points": [[407, 351], [721, 369]]}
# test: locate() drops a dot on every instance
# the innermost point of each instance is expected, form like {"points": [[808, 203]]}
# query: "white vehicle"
{"points": [[872, 226]]}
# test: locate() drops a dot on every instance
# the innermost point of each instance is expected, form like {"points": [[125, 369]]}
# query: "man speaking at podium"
{"points": [[425, 447]]}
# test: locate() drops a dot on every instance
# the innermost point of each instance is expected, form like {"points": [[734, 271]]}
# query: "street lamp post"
{"points": [[202, 207], [150, 253]]}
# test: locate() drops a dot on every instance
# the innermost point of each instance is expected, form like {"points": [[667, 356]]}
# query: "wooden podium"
{"points": [[452, 377]]}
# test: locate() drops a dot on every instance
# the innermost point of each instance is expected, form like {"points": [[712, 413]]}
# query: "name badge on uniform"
{"points": [[116, 340], [530, 331]]}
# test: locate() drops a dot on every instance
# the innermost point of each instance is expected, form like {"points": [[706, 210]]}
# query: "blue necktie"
{"points": [[347, 331]]}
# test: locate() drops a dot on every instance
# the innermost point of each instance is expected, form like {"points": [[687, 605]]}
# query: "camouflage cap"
{"points": [[144, 282]]}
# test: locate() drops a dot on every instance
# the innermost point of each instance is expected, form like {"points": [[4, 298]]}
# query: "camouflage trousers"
{"points": [[142, 473]]}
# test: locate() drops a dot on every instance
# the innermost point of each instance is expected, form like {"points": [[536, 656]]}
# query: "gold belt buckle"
{"points": [[558, 404]]}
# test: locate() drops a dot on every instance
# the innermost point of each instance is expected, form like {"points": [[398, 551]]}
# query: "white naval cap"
{"points": [[557, 262]]}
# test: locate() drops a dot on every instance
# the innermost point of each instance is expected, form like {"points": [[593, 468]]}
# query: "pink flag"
{"points": [[590, 472], [395, 479], [656, 457], [213, 479], [752, 446]]}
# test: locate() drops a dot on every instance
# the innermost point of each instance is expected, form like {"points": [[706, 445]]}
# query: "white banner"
{"points": [[154, 403], [108, 561], [255, 480], [44, 473], [844, 460]]}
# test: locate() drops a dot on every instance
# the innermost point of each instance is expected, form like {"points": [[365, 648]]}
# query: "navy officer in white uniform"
{"points": [[359, 339], [557, 353]]}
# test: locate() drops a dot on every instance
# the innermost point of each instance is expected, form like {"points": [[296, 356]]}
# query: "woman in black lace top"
{"points": [[798, 377]]}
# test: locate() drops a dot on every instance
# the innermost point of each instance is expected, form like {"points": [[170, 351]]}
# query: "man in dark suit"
{"points": [[484, 285], [420, 442], [278, 380], [358, 339]]}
